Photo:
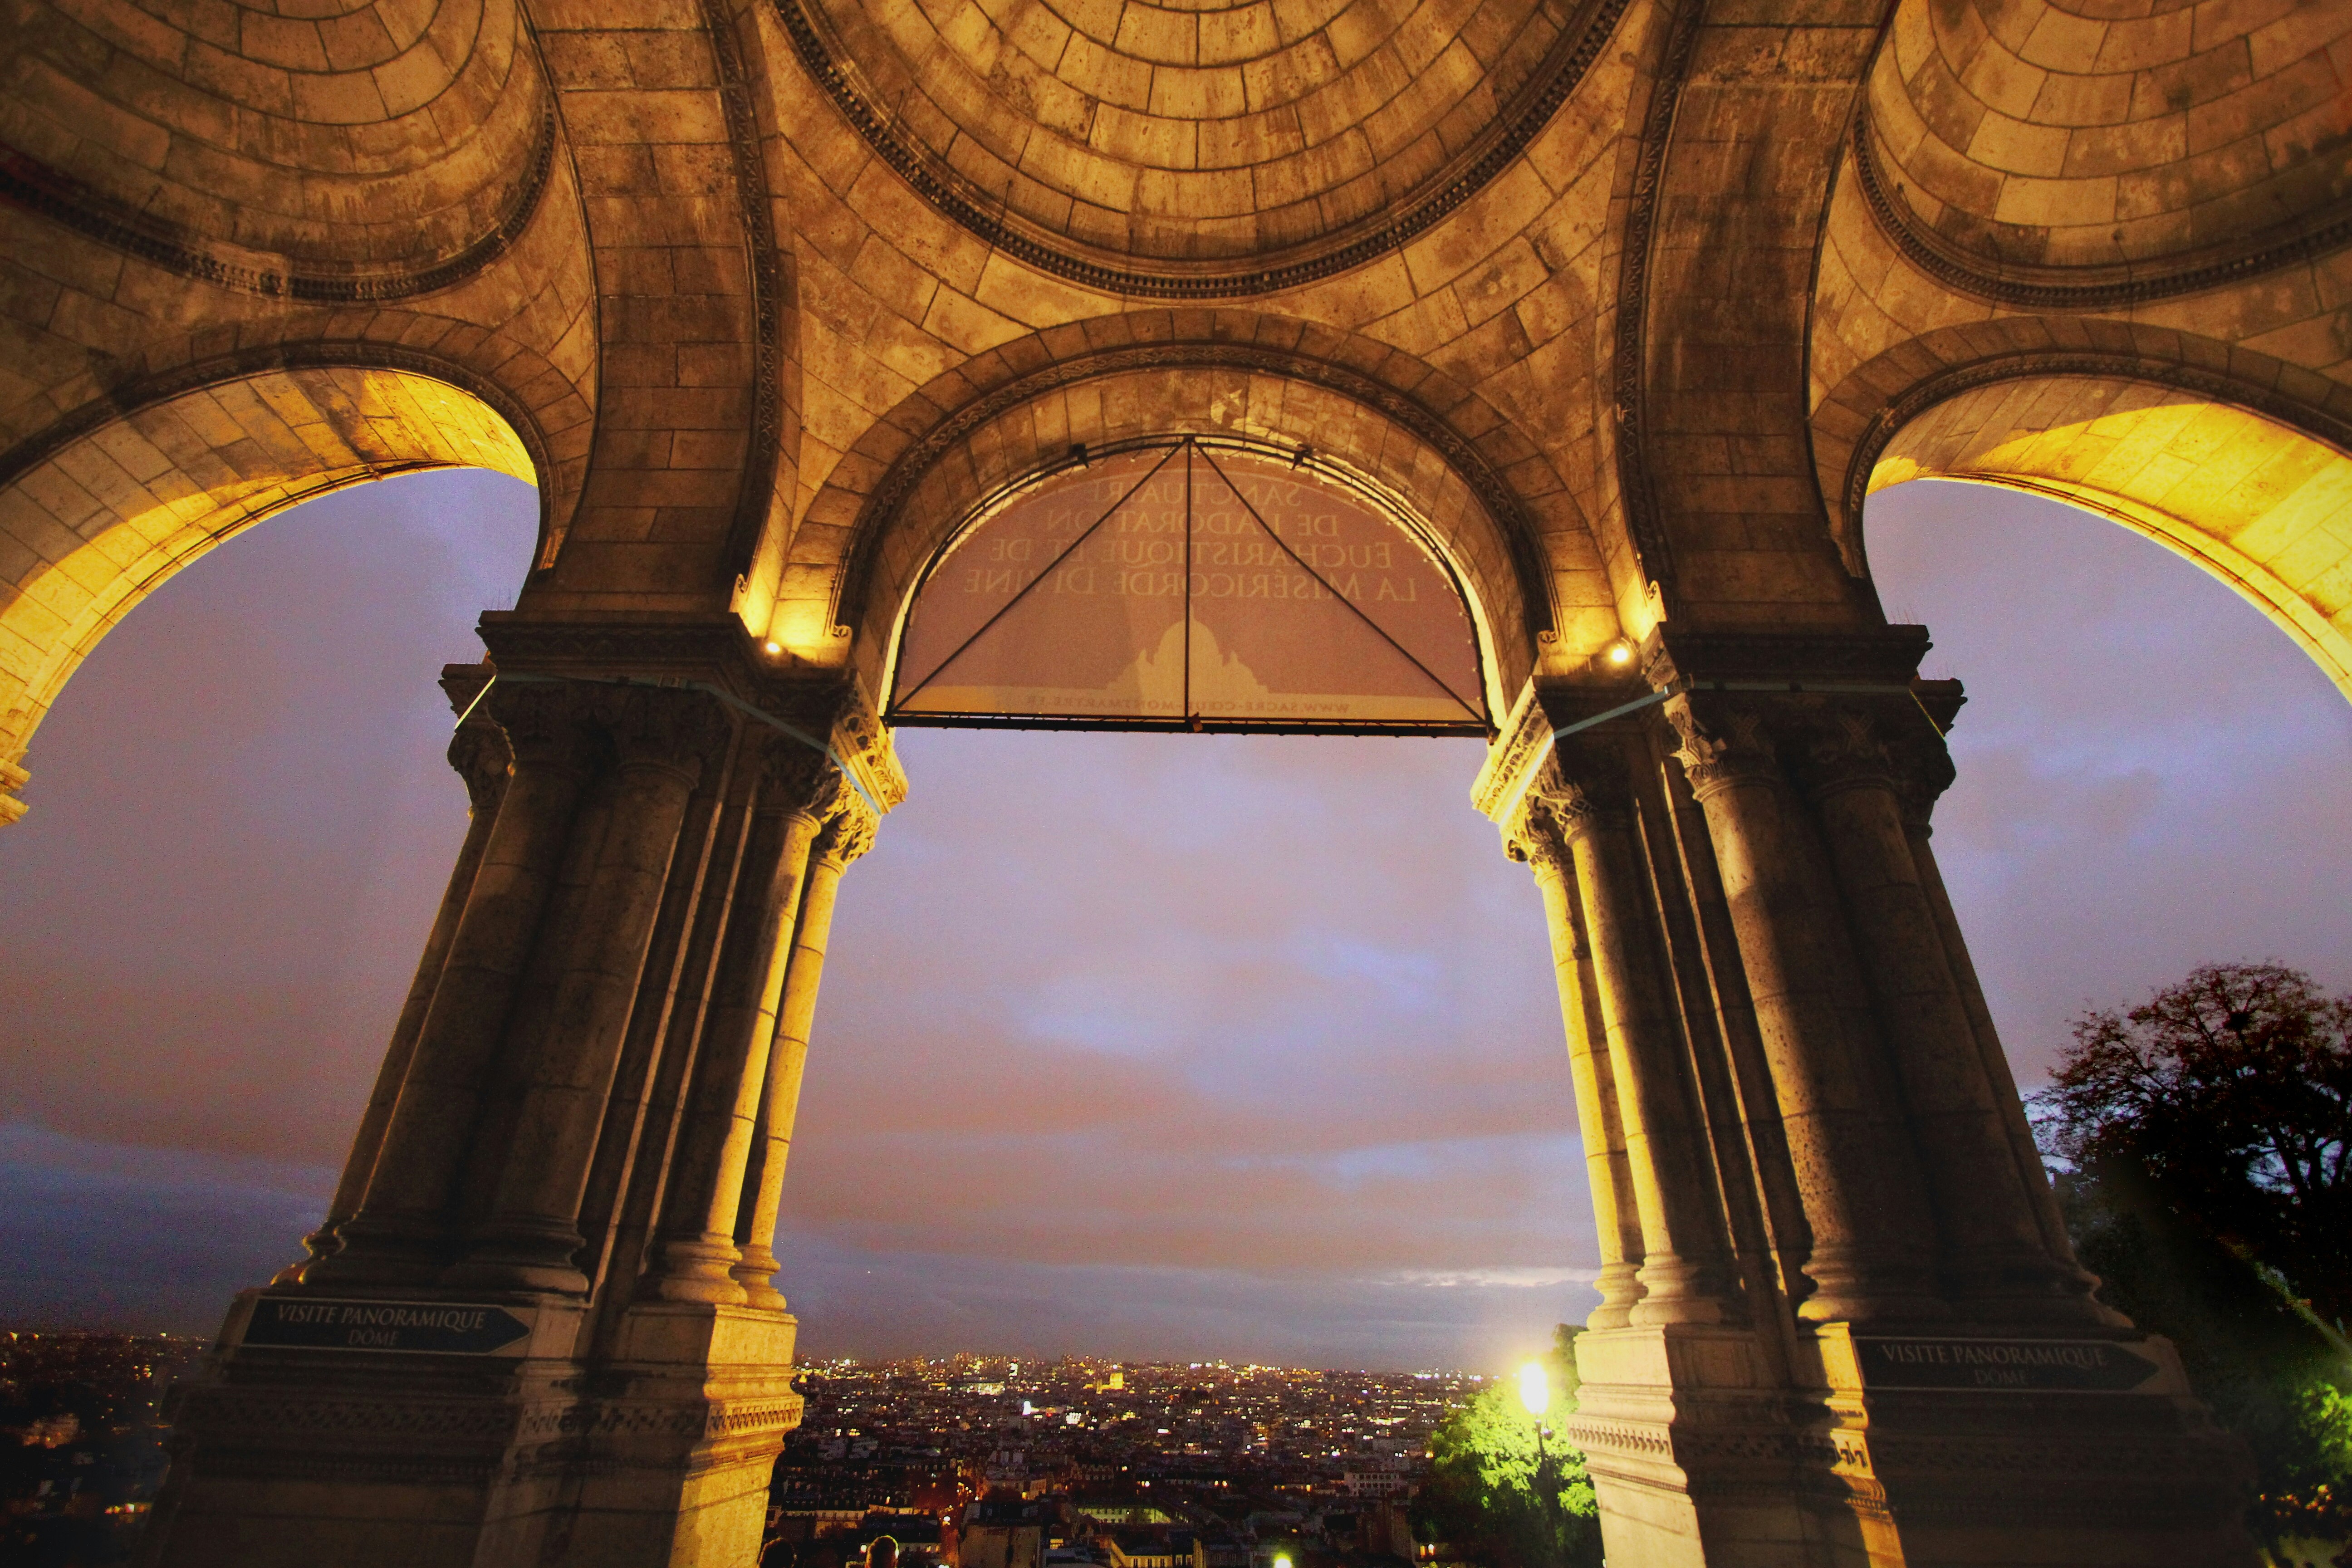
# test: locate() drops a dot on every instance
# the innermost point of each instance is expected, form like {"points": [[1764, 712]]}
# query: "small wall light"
{"points": [[774, 646], [1619, 653]]}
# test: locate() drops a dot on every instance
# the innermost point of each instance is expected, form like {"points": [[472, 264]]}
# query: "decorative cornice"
{"points": [[130, 398], [757, 484], [986, 217], [2036, 286], [1948, 385], [33, 186], [1629, 374], [1494, 492]]}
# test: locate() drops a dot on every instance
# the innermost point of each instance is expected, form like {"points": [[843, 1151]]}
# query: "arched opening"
{"points": [[2262, 506], [1189, 584], [92, 525], [2149, 777], [241, 821]]}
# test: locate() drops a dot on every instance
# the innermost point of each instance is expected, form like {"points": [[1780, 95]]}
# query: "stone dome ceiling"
{"points": [[367, 139], [1198, 143], [2025, 135]]}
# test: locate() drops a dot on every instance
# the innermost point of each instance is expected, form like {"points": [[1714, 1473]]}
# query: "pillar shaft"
{"points": [[1685, 1276], [764, 1179], [1991, 1242], [1615, 1215], [400, 1232], [696, 1254], [479, 752], [1868, 1257], [529, 1239]]}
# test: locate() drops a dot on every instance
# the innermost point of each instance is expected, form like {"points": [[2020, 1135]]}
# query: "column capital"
{"points": [[1861, 742], [651, 726], [1723, 740], [480, 753], [798, 779], [850, 831], [1534, 836]]}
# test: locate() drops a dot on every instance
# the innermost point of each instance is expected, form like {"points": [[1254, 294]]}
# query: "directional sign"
{"points": [[426, 1328], [2024, 1366]]}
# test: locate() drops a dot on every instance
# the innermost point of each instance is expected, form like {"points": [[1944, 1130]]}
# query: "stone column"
{"points": [[1838, 1110], [1536, 838], [1685, 1274], [849, 835], [1921, 785], [662, 740], [480, 753], [696, 1256], [1992, 1239], [400, 1232]]}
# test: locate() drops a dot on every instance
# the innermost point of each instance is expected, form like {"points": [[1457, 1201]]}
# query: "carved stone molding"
{"points": [[2032, 285], [33, 185], [984, 214], [1495, 494]]}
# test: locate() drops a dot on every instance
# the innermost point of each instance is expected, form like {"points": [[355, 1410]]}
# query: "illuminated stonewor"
{"points": [[1189, 584], [1600, 319]]}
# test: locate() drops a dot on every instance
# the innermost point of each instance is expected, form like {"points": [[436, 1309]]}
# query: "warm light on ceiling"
{"points": [[1621, 652], [1535, 1388], [776, 647]]}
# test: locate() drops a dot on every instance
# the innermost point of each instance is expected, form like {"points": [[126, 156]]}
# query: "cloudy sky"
{"points": [[1141, 1045]]}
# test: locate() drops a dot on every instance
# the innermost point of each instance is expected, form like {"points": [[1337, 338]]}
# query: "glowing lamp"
{"points": [[1621, 652], [774, 646], [1535, 1388]]}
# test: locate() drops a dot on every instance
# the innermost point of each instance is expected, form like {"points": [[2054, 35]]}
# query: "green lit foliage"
{"points": [[1500, 1497]]}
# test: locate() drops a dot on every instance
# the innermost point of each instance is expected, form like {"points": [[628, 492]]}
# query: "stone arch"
{"points": [[351, 150], [900, 502], [95, 521], [2057, 151], [2253, 497]]}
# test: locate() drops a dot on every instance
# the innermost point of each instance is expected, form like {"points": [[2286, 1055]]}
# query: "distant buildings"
{"points": [[1077, 1465]]}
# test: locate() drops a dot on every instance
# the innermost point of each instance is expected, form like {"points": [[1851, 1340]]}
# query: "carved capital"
{"points": [[851, 831], [545, 722], [1534, 836], [1889, 744], [480, 753], [1841, 748], [1723, 740], [648, 726], [796, 777]]}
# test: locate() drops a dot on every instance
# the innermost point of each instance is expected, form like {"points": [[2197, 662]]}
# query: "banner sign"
{"points": [[1192, 581], [429, 1327]]}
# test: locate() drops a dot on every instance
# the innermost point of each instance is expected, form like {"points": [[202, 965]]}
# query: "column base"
{"points": [[1941, 1448], [433, 1452]]}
